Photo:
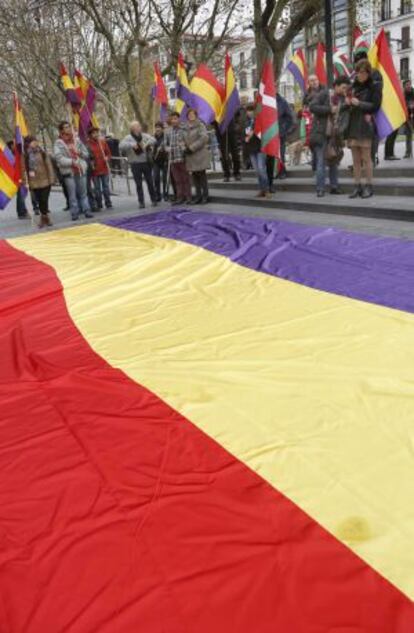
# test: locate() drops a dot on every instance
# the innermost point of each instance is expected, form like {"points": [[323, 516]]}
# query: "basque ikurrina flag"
{"points": [[299, 69], [206, 427], [232, 98], [208, 94], [361, 44], [393, 111], [266, 125]]}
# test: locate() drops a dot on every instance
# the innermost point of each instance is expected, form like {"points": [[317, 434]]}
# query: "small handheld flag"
{"points": [[266, 122], [159, 92], [361, 44], [183, 90]]}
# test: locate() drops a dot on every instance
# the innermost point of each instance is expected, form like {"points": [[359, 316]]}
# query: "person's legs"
{"points": [[197, 186], [333, 177], [176, 173], [20, 205], [42, 200], [82, 194], [106, 191], [408, 140], [72, 196], [137, 174], [235, 155], [389, 145], [357, 171], [164, 175], [224, 155], [156, 170], [186, 182], [147, 171], [319, 154], [204, 185], [369, 169], [98, 191], [261, 179], [270, 170]]}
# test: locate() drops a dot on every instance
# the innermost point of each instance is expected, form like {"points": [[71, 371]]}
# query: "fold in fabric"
{"points": [[375, 269]]}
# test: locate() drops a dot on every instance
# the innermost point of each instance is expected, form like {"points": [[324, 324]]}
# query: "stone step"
{"points": [[396, 171], [379, 206], [388, 187]]}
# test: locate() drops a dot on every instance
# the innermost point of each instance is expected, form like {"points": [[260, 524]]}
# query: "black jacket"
{"points": [[361, 124], [320, 105], [285, 116]]}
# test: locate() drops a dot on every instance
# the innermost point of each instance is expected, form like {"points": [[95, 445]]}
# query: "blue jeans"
{"points": [[320, 163], [258, 160], [78, 195], [101, 186]]}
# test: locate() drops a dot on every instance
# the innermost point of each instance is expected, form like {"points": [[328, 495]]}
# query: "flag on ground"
{"points": [[208, 94], [393, 112], [266, 125], [231, 100], [183, 91], [159, 92], [299, 69], [206, 452]]}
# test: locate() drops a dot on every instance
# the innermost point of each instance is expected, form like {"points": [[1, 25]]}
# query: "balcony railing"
{"points": [[406, 8], [404, 45], [406, 75]]}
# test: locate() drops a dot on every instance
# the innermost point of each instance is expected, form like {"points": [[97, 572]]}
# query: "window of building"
{"points": [[405, 37], [243, 81], [241, 58], [406, 7], [254, 57], [172, 93], [254, 77], [388, 36], [385, 9], [405, 68]]}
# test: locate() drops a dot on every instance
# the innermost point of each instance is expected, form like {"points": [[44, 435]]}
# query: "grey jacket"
{"points": [[64, 159], [196, 140], [129, 142]]}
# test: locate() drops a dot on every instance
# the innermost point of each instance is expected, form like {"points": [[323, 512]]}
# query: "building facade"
{"points": [[397, 19]]}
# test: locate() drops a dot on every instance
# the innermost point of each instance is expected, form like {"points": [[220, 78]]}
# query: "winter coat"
{"points": [[100, 155], [196, 141], [320, 105], [64, 159], [252, 143], [126, 148], [160, 154], [286, 117], [409, 100], [39, 169], [361, 124]]}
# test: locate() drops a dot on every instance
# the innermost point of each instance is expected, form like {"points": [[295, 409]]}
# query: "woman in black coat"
{"points": [[358, 112]]}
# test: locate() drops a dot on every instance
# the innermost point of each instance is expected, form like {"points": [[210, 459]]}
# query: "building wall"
{"points": [[397, 19]]}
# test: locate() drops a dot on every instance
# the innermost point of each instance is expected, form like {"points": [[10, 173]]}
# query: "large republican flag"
{"points": [[393, 111], [206, 425]]}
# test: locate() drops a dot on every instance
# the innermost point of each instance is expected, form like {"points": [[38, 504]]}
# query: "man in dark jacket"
{"points": [[318, 100], [409, 100], [229, 151]]}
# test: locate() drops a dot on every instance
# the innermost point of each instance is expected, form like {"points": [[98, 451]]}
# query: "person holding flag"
{"points": [[225, 125]]}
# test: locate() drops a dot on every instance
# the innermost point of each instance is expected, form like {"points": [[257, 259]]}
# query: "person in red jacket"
{"points": [[100, 156]]}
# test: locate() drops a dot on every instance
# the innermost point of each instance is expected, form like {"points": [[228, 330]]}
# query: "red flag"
{"points": [[266, 125], [320, 66]]}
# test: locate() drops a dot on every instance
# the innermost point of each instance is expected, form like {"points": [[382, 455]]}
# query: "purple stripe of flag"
{"points": [[204, 110], [4, 200], [297, 75], [232, 106], [374, 269], [384, 127]]}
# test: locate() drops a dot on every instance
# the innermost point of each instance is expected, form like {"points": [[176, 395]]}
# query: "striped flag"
{"points": [[361, 44], [84, 116], [183, 91], [232, 98], [20, 133], [393, 111], [159, 92], [8, 186], [299, 69], [266, 121], [320, 66], [72, 95], [208, 94]]}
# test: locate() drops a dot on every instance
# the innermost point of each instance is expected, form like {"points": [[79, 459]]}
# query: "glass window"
{"points": [[172, 93], [405, 68], [254, 57], [243, 81], [254, 77], [241, 58], [405, 37]]}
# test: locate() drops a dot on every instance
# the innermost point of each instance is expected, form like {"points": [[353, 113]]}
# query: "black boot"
{"points": [[357, 192], [367, 192]]}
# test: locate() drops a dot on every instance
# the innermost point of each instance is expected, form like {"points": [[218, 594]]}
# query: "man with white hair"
{"points": [[137, 148]]}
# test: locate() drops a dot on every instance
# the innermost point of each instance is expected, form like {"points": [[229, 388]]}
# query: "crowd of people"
{"points": [[176, 157]]}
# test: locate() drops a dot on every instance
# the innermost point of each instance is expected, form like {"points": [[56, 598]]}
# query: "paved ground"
{"points": [[126, 205]]}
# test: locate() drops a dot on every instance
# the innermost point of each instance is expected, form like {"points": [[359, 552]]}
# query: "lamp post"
{"points": [[328, 42]]}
